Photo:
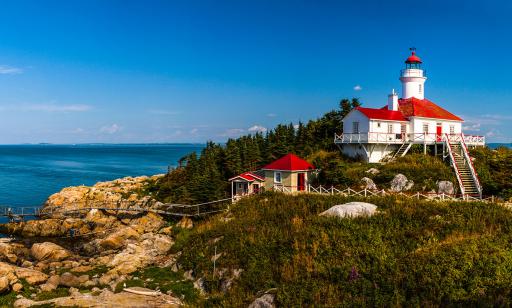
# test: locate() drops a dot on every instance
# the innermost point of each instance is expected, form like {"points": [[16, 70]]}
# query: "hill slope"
{"points": [[414, 252]]}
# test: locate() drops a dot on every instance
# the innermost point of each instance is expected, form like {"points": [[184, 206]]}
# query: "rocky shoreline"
{"points": [[86, 261]]}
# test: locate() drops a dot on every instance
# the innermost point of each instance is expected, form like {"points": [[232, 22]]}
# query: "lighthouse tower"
{"points": [[413, 78]]}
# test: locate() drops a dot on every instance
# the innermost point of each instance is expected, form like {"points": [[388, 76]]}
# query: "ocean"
{"points": [[31, 173]]}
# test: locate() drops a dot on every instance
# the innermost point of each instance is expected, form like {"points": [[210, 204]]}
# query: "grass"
{"points": [[417, 253]]}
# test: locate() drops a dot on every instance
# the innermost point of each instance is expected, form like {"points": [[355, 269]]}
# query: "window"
{"points": [[240, 185], [419, 88], [378, 124], [452, 129], [355, 127], [425, 128], [277, 177], [403, 129], [390, 128]]}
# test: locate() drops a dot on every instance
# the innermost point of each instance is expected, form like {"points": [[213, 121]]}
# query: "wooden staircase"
{"points": [[464, 169], [402, 150]]}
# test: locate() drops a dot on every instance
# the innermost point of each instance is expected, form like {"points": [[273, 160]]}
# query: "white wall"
{"points": [[355, 116], [374, 126], [411, 80]]}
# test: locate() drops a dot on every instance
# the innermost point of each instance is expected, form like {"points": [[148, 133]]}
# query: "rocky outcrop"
{"points": [[4, 284], [445, 187], [110, 194], [48, 251], [351, 209], [401, 183], [373, 171], [267, 300]]}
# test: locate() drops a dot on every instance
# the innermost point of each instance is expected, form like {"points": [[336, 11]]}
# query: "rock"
{"points": [[445, 187], [27, 264], [400, 183], [368, 183], [351, 209], [166, 230], [373, 171], [82, 269], [17, 287], [150, 222], [47, 287], [185, 223], [30, 275], [267, 300], [4, 285], [7, 253], [118, 238], [69, 280], [48, 251]]}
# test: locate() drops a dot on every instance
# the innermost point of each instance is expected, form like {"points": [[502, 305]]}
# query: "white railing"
{"points": [[469, 162], [387, 138], [454, 163], [331, 190]]}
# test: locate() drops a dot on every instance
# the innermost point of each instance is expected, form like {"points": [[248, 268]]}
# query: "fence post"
{"points": [[332, 190], [365, 193], [418, 195]]}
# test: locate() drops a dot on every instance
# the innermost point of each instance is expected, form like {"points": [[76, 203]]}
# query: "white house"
{"points": [[387, 132]]}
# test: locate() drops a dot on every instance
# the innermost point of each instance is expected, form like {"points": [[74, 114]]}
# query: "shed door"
{"points": [[301, 181]]}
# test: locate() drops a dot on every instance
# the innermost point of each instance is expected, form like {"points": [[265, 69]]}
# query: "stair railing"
{"points": [[454, 164], [471, 166]]}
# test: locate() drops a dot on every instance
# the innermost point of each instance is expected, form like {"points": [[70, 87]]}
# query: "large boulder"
{"points": [[445, 187], [351, 209], [400, 183], [48, 251], [118, 239], [367, 183], [69, 280]]}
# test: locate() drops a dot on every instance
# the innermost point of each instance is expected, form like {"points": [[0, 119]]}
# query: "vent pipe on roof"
{"points": [[393, 101]]}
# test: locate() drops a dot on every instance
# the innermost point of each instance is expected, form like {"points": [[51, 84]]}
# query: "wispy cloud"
{"points": [[472, 127], [257, 129], [10, 70], [271, 115], [56, 108], [46, 108], [163, 112], [357, 88], [110, 129], [233, 132]]}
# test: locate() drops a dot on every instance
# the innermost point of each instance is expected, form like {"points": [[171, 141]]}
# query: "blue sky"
{"points": [[191, 71]]}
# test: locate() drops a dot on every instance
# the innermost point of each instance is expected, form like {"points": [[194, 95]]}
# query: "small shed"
{"points": [[247, 183], [289, 173]]}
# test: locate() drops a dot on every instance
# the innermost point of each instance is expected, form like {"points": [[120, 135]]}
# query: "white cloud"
{"points": [[271, 115], [10, 70], [473, 127], [257, 129], [358, 88], [163, 112], [194, 131], [78, 131], [233, 132], [110, 129]]}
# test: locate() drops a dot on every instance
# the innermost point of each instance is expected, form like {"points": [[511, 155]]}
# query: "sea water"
{"points": [[31, 173]]}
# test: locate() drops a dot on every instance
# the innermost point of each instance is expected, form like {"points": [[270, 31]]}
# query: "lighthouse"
{"points": [[413, 77]]}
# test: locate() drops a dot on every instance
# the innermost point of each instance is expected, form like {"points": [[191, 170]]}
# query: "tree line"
{"points": [[204, 177]]}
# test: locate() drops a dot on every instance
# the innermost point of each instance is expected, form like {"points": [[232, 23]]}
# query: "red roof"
{"points": [[382, 114], [289, 162], [413, 58], [414, 107], [248, 176]]}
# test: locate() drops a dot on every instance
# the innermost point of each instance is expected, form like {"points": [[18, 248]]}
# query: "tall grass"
{"points": [[412, 253]]}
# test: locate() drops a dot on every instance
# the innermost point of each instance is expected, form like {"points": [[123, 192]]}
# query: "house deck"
{"points": [[415, 138]]}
